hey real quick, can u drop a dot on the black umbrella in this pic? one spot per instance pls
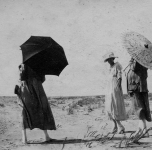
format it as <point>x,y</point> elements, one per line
<point>44,55</point>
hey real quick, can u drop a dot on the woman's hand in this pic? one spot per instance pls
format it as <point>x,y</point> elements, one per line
<point>43,78</point>
<point>119,82</point>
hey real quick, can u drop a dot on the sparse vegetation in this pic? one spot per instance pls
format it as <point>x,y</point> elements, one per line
<point>71,108</point>
<point>75,103</point>
<point>75,111</point>
<point>2,105</point>
<point>85,103</point>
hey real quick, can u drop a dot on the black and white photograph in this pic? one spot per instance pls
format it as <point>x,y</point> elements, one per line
<point>75,74</point>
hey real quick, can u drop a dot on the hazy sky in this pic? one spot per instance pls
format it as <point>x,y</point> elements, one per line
<point>86,29</point>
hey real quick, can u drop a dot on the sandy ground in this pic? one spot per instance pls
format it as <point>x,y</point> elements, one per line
<point>81,130</point>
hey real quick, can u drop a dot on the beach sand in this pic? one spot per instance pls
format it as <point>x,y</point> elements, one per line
<point>84,127</point>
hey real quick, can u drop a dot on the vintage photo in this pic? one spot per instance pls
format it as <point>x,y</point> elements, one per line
<point>76,74</point>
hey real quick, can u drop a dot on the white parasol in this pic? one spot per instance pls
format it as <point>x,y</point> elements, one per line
<point>139,47</point>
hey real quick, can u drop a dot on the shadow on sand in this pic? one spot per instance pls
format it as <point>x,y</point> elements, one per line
<point>74,141</point>
<point>63,141</point>
<point>117,139</point>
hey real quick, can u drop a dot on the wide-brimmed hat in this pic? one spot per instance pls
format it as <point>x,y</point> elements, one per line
<point>109,55</point>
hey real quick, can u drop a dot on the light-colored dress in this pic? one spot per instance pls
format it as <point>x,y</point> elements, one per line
<point>114,101</point>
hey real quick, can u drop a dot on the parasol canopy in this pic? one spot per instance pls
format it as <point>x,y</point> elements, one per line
<point>139,48</point>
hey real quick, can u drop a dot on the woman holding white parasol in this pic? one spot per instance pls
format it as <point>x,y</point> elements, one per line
<point>140,50</point>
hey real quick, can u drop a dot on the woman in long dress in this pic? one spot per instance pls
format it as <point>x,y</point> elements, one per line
<point>114,101</point>
<point>137,88</point>
<point>36,111</point>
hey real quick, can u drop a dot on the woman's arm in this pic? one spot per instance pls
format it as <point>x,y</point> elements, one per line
<point>119,82</point>
<point>23,73</point>
<point>119,74</point>
<point>17,92</point>
<point>19,101</point>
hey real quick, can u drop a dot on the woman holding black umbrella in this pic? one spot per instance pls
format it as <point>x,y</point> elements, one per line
<point>41,56</point>
<point>36,109</point>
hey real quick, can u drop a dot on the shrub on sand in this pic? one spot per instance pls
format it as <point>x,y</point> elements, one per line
<point>70,110</point>
<point>2,105</point>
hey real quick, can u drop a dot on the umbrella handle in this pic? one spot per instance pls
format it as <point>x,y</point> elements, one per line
<point>126,67</point>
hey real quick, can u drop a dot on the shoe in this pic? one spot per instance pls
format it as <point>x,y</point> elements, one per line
<point>114,130</point>
<point>121,130</point>
<point>49,140</point>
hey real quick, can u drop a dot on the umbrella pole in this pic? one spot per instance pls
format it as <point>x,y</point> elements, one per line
<point>126,67</point>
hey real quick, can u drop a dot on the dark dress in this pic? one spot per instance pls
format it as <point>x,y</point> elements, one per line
<point>36,109</point>
<point>137,88</point>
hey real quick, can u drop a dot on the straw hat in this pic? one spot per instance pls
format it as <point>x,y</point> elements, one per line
<point>109,55</point>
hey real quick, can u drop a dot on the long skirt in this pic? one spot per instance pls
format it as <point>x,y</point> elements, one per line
<point>114,102</point>
<point>141,105</point>
<point>36,109</point>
